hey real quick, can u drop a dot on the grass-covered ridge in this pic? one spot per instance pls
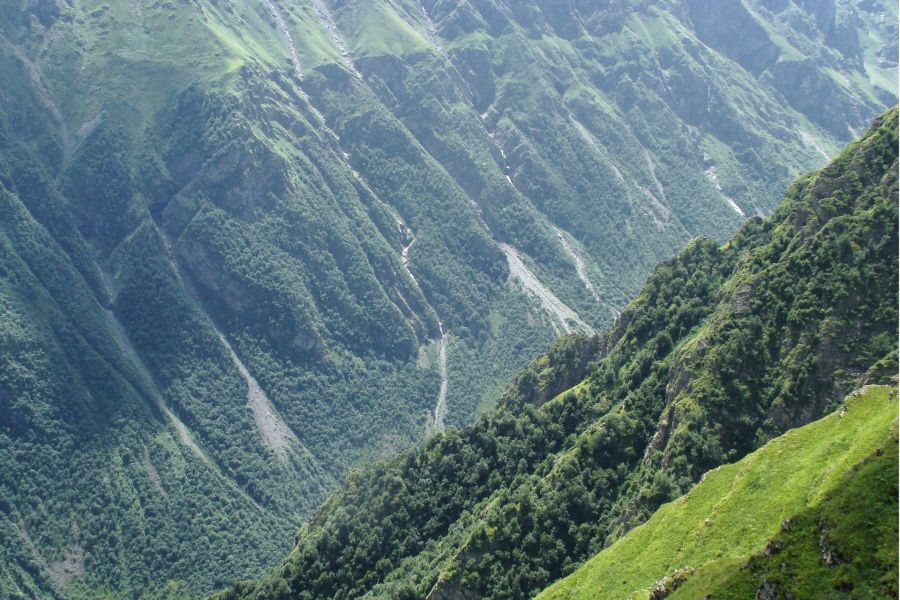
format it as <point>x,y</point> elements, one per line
<point>844,546</point>
<point>737,509</point>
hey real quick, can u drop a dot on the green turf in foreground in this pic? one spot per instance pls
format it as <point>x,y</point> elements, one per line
<point>837,476</point>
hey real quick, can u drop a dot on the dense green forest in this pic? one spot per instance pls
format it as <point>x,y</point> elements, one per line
<point>249,246</point>
<point>726,347</point>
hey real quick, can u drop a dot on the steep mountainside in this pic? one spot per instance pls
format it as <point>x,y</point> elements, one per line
<point>818,506</point>
<point>246,245</point>
<point>725,348</point>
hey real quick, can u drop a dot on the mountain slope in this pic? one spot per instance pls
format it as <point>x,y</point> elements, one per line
<point>839,469</point>
<point>824,548</point>
<point>725,348</point>
<point>249,245</point>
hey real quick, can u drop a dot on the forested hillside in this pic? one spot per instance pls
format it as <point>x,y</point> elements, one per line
<point>725,348</point>
<point>249,245</point>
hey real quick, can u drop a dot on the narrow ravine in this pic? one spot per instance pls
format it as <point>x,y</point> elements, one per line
<point>713,176</point>
<point>326,20</point>
<point>440,408</point>
<point>660,206</point>
<point>273,430</point>
<point>275,433</point>
<point>660,190</point>
<point>587,136</point>
<point>563,319</point>
<point>70,565</point>
<point>37,83</point>
<point>580,267</point>
<point>295,61</point>
<point>581,270</point>
<point>431,29</point>
<point>269,423</point>
<point>286,35</point>
<point>296,64</point>
<point>127,348</point>
<point>183,433</point>
<point>810,141</point>
<point>560,313</point>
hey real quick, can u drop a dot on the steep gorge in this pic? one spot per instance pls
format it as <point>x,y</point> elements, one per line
<point>381,209</point>
<point>726,347</point>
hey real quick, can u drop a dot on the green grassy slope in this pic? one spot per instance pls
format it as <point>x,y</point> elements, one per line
<point>726,348</point>
<point>323,188</point>
<point>736,509</point>
<point>844,546</point>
